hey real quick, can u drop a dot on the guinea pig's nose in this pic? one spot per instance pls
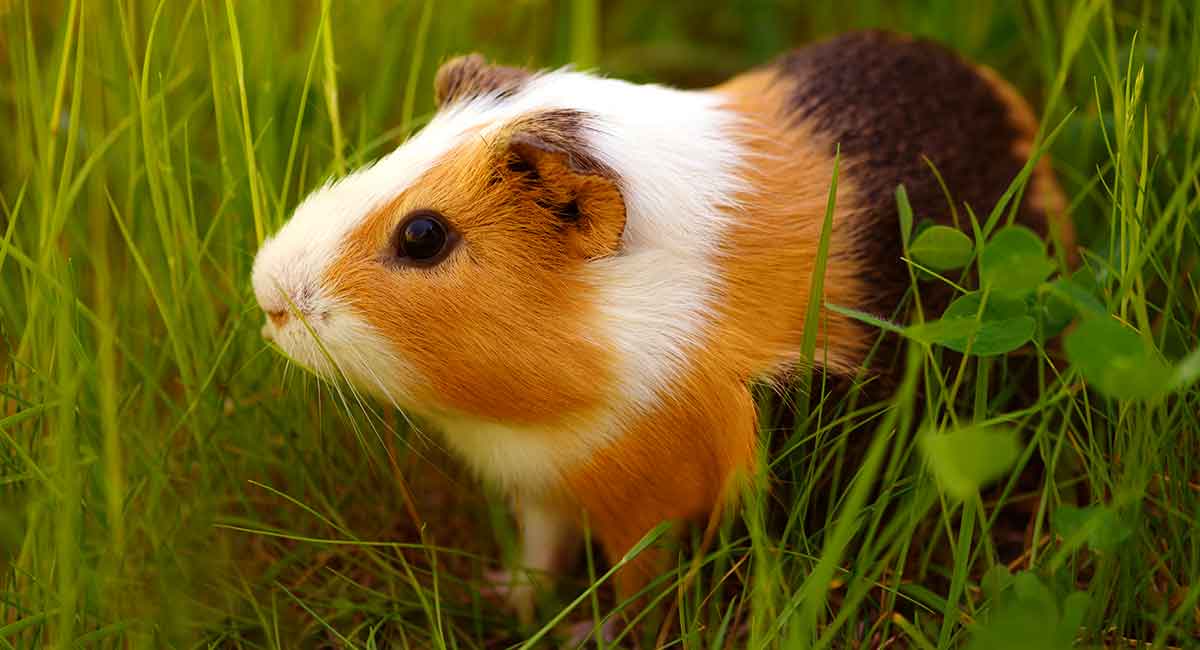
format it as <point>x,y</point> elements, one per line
<point>279,318</point>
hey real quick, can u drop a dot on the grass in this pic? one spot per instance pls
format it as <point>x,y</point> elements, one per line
<point>167,481</point>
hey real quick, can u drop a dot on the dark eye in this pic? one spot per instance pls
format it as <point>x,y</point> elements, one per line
<point>423,238</point>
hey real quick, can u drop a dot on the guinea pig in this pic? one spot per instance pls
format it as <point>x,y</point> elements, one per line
<point>576,279</point>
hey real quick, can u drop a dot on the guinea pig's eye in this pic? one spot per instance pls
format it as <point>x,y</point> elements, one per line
<point>423,238</point>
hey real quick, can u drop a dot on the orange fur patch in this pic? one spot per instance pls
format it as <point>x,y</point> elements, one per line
<point>675,463</point>
<point>481,324</point>
<point>769,257</point>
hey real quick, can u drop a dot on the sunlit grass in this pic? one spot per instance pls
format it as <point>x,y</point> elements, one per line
<point>167,480</point>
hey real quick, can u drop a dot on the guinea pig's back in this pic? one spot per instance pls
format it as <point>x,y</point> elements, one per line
<point>893,103</point>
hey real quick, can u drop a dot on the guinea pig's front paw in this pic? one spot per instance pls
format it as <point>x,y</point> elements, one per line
<point>515,590</point>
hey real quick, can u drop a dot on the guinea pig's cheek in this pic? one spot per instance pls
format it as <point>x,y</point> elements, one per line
<point>364,356</point>
<point>536,372</point>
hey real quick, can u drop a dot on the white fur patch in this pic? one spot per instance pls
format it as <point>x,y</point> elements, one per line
<point>678,167</point>
<point>677,163</point>
<point>524,459</point>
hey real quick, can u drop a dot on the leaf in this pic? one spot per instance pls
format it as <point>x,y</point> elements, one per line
<point>1004,325</point>
<point>1014,626</point>
<point>864,317</point>
<point>965,459</point>
<point>942,248</point>
<point>1018,622</point>
<point>1068,520</point>
<point>1029,616</point>
<point>1014,259</point>
<point>1080,291</point>
<point>1053,315</point>
<point>1031,591</point>
<point>1116,361</point>
<point>1074,610</point>
<point>1114,529</point>
<point>905,212</point>
<point>1060,302</point>
<point>996,580</point>
<point>1101,527</point>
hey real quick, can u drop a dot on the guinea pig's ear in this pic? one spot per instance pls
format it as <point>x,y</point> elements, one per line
<point>551,162</point>
<point>470,76</point>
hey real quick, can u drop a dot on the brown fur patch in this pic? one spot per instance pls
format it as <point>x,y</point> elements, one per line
<point>1043,193</point>
<point>560,131</point>
<point>570,181</point>
<point>469,76</point>
<point>891,102</point>
<point>480,325</point>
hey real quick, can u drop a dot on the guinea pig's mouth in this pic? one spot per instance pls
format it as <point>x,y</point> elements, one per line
<point>336,346</point>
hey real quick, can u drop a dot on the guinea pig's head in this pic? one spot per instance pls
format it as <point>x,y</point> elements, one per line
<point>450,277</point>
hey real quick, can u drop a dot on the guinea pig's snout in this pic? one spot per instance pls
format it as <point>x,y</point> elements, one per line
<point>279,302</point>
<point>283,307</point>
<point>287,291</point>
<point>278,307</point>
<point>278,316</point>
<point>276,319</point>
